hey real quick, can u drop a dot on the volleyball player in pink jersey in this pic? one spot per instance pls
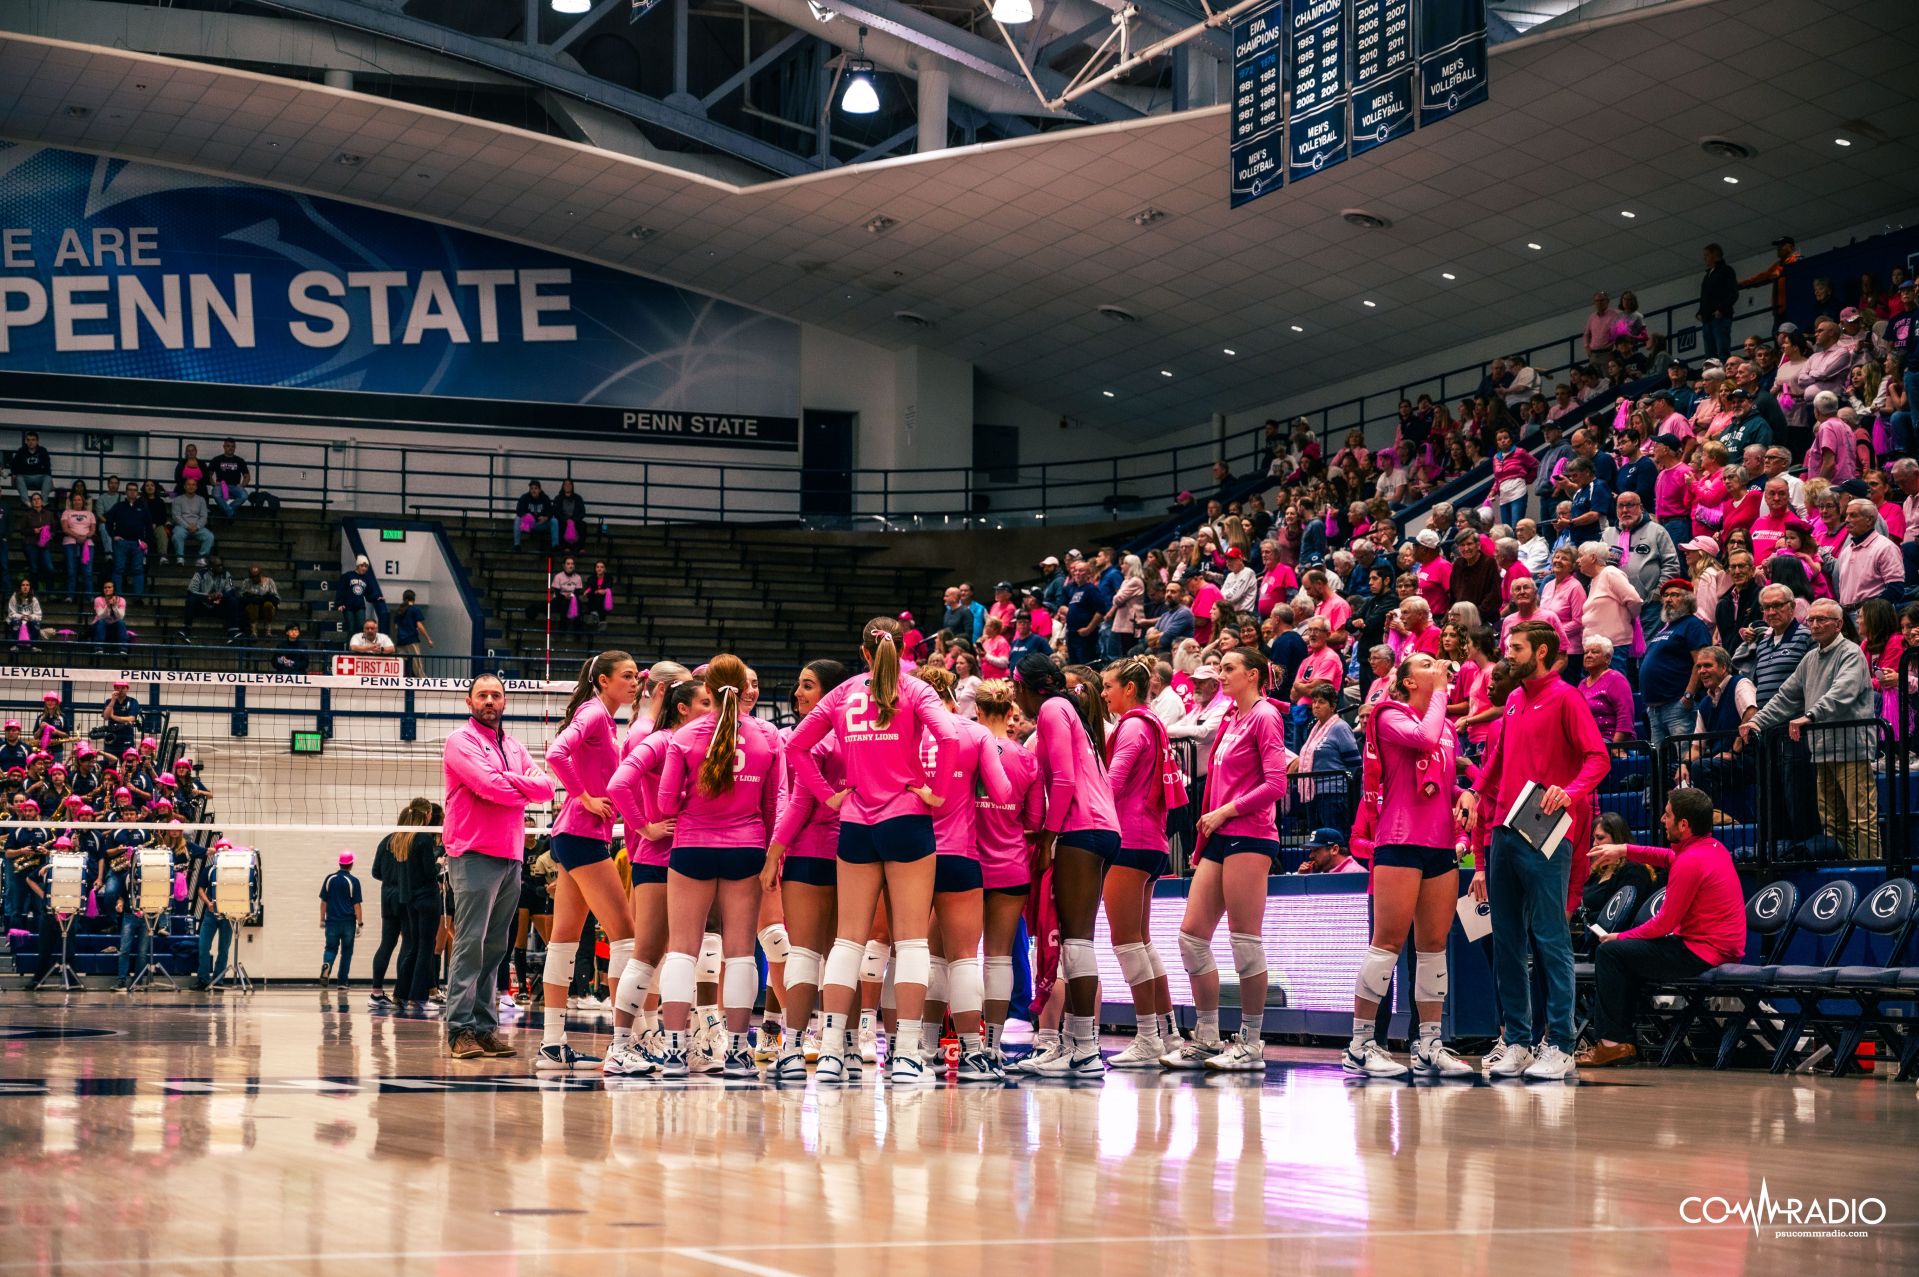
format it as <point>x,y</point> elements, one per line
<point>722,778</point>
<point>886,836</point>
<point>635,791</point>
<point>1005,835</point>
<point>1415,869</point>
<point>1080,837</point>
<point>972,766</point>
<point>772,920</point>
<point>584,756</point>
<point>1140,769</point>
<point>801,864</point>
<point>1238,845</point>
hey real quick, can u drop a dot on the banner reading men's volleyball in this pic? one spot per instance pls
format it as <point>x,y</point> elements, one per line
<point>1452,57</point>
<point>132,285</point>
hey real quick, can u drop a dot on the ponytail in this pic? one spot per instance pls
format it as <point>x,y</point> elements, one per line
<point>1093,715</point>
<point>677,700</point>
<point>881,643</point>
<point>726,678</point>
<point>596,668</point>
<point>940,680</point>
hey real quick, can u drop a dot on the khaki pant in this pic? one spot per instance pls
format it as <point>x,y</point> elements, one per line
<point>1848,796</point>
<point>416,668</point>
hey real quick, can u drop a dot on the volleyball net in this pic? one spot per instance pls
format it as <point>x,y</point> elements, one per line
<point>319,756</point>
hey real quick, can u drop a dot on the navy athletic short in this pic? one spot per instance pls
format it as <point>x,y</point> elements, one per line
<point>573,851</point>
<point>956,873</point>
<point>1217,849</point>
<point>1432,862</point>
<point>1103,843</point>
<point>648,875</point>
<point>1154,864</point>
<point>901,840</point>
<point>726,864</point>
<point>814,871</point>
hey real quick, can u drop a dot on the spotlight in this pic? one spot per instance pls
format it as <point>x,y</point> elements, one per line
<point>572,7</point>
<point>1010,13</point>
<point>862,95</point>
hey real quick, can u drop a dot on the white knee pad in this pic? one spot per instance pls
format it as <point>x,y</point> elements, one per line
<point>802,967</point>
<point>1152,956</point>
<point>872,961</point>
<point>843,964</point>
<point>773,940</point>
<point>936,980</point>
<point>676,978</point>
<point>1076,960</point>
<point>966,986</point>
<point>707,969</point>
<point>1375,974</point>
<point>1196,955</point>
<point>888,998</point>
<point>999,978</point>
<point>1429,977</point>
<point>912,962</point>
<point>739,983</point>
<point>1249,954</point>
<point>1134,965</point>
<point>629,995</point>
<point>559,962</point>
<point>618,954</point>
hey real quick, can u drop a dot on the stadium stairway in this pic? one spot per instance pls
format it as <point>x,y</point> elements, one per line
<point>686,591</point>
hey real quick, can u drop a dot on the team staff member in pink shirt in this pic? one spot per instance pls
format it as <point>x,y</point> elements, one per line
<point>1415,870</point>
<point>635,791</point>
<point>1549,737</point>
<point>584,756</point>
<point>886,837</point>
<point>1144,778</point>
<point>490,782</point>
<point>721,779</point>
<point>1239,842</point>
<point>1080,838</point>
<point>1701,924</point>
<point>1005,831</point>
<point>802,861</point>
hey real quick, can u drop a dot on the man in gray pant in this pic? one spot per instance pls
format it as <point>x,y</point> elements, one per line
<point>490,781</point>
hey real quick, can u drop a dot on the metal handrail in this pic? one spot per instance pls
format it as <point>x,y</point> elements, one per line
<point>371,476</point>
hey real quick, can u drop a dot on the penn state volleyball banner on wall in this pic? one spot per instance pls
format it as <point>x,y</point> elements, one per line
<point>130,286</point>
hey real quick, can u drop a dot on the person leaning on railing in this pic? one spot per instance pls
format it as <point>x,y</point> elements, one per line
<point>1832,685</point>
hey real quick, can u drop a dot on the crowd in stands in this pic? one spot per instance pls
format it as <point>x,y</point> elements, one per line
<point>1723,547</point>
<point>58,774</point>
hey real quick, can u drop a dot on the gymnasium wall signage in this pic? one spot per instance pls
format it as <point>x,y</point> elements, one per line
<point>1335,78</point>
<point>131,285</point>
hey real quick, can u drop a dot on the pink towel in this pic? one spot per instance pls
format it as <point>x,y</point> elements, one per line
<point>571,532</point>
<point>46,536</point>
<point>526,523</point>
<point>572,607</point>
<point>180,884</point>
<point>607,596</point>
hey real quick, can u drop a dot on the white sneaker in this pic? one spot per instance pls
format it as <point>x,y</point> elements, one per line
<point>1068,1061</point>
<point>766,1048</point>
<point>831,1071</point>
<point>575,1003</point>
<point>1508,1059</point>
<point>1141,1053</point>
<point>564,1058</point>
<point>869,1046</point>
<point>625,1060</point>
<point>603,1006</point>
<point>810,1046</point>
<point>507,1004</point>
<point>790,1067</point>
<point>1191,1053</point>
<point>979,1066</point>
<point>1439,1061</point>
<point>1551,1065</point>
<point>1245,1053</point>
<point>1371,1060</point>
<point>907,1070</point>
<point>1029,1064</point>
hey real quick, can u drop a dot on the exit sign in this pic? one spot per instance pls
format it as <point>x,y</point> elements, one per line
<point>308,743</point>
<point>392,534</point>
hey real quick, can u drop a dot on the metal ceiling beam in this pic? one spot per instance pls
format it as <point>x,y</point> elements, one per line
<point>541,66</point>
<point>792,40</point>
<point>585,24</point>
<point>975,52</point>
<point>1172,19</point>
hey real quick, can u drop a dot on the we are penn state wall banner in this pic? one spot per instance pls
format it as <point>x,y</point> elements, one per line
<point>129,288</point>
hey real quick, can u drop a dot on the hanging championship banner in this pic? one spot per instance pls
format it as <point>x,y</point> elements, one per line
<point>1383,90</point>
<point>1316,127</point>
<point>1452,57</point>
<point>1256,143</point>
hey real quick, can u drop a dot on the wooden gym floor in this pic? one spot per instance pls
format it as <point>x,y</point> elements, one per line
<point>290,1132</point>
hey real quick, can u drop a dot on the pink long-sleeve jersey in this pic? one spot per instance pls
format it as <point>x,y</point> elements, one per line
<point>807,826</point>
<point>1001,827</point>
<point>742,816</point>
<point>635,790</point>
<point>584,756</point>
<point>1077,795</point>
<point>971,761</point>
<point>1135,750</point>
<point>1417,767</point>
<point>490,782</point>
<point>882,762</point>
<point>1248,769</point>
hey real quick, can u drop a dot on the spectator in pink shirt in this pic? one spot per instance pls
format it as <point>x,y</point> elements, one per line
<point>1870,563</point>
<point>1832,455</point>
<point>1773,518</point>
<point>1601,327</point>
<point>1612,605</point>
<point>1525,607</point>
<point>1327,604</point>
<point>1607,692</point>
<point>1562,597</point>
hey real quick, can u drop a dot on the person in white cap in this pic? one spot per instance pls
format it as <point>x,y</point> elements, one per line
<point>340,918</point>
<point>355,592</point>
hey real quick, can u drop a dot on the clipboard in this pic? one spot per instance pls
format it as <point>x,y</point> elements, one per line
<point>1475,918</point>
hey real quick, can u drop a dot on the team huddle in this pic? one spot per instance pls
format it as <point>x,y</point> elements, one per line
<point>888,839</point>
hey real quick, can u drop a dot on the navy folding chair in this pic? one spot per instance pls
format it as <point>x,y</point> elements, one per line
<point>1826,913</point>
<point>1769,917</point>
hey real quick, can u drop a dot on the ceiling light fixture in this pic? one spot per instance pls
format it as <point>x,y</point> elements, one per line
<point>1730,180</point>
<point>1229,350</point>
<point>1532,246</point>
<point>1109,394</point>
<point>349,160</point>
<point>1627,213</point>
<point>1166,372</point>
<point>1296,328</point>
<point>862,96</point>
<point>1010,13</point>
<point>1369,304</point>
<point>572,7</point>
<point>1447,275</point>
<point>1842,141</point>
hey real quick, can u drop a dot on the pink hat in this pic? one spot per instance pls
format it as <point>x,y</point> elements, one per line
<point>57,767</point>
<point>169,780</point>
<point>163,804</point>
<point>86,811</point>
<point>220,844</point>
<point>74,800</point>
<point>13,724</point>
<point>51,696</point>
<point>63,843</point>
<point>129,753</point>
<point>120,684</point>
<point>346,857</point>
<point>123,792</point>
<point>83,750</point>
<point>183,763</point>
<point>149,743</point>
<point>26,802</point>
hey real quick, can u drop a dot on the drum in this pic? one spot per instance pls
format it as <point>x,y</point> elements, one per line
<point>233,871</point>
<point>152,880</point>
<point>67,882</point>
